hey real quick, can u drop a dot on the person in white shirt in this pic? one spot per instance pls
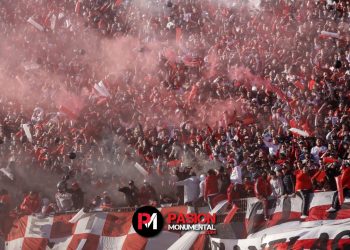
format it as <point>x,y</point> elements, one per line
<point>276,185</point>
<point>236,175</point>
<point>274,147</point>
<point>200,201</point>
<point>191,189</point>
<point>201,186</point>
<point>318,150</point>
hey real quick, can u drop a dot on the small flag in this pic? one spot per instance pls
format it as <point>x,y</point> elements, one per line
<point>35,24</point>
<point>340,190</point>
<point>6,172</point>
<point>27,132</point>
<point>326,34</point>
<point>141,169</point>
<point>299,132</point>
<point>101,89</point>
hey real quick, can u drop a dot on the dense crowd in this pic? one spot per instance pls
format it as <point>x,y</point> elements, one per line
<point>211,99</point>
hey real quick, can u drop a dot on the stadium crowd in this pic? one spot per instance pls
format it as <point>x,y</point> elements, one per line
<point>243,102</point>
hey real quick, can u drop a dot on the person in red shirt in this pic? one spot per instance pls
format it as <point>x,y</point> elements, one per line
<point>262,190</point>
<point>31,203</point>
<point>234,192</point>
<point>303,188</point>
<point>4,210</point>
<point>345,181</point>
<point>4,199</point>
<point>211,185</point>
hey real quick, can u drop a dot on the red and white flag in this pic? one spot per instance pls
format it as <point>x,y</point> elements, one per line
<point>27,132</point>
<point>340,190</point>
<point>325,34</point>
<point>141,169</point>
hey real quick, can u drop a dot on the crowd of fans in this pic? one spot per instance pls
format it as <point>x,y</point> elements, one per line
<point>243,102</point>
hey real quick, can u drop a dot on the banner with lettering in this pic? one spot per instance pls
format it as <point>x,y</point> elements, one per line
<point>288,208</point>
<point>294,235</point>
<point>98,230</point>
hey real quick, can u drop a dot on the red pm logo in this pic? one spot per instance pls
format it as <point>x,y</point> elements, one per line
<point>146,219</point>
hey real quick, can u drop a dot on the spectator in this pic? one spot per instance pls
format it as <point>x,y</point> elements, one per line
<point>248,187</point>
<point>318,150</point>
<point>5,200</point>
<point>96,202</point>
<point>191,189</point>
<point>236,175</point>
<point>276,185</point>
<point>147,194</point>
<point>288,181</point>
<point>4,210</point>
<point>77,196</point>
<point>47,207</point>
<point>332,171</point>
<point>106,203</point>
<point>63,198</point>
<point>224,178</point>
<point>30,204</point>
<point>345,181</point>
<point>131,194</point>
<point>211,185</point>
<point>303,188</point>
<point>262,189</point>
<point>200,201</point>
<point>234,192</point>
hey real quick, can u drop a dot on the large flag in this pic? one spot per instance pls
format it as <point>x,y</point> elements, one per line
<point>27,132</point>
<point>92,231</point>
<point>289,209</point>
<point>293,235</point>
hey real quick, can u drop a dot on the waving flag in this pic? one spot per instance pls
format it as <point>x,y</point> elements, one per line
<point>101,89</point>
<point>93,231</point>
<point>27,132</point>
<point>327,34</point>
<point>299,132</point>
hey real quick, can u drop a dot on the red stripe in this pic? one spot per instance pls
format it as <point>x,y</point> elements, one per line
<point>231,214</point>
